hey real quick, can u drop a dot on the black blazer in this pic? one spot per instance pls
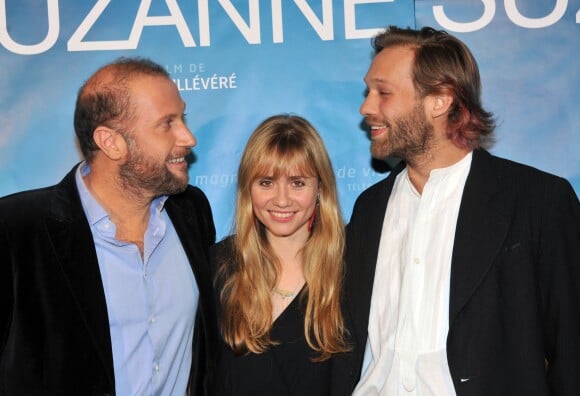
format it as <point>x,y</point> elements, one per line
<point>515,280</point>
<point>54,329</point>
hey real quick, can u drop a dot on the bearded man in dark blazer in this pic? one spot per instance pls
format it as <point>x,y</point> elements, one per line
<point>463,268</point>
<point>104,281</point>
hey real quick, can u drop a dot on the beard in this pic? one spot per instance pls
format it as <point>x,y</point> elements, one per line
<point>142,173</point>
<point>407,137</point>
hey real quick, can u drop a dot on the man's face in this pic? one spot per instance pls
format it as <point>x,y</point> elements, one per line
<point>157,137</point>
<point>399,125</point>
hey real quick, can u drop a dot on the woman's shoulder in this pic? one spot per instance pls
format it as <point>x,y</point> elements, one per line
<point>223,248</point>
<point>222,259</point>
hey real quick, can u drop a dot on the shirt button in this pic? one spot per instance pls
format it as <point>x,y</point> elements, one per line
<point>409,382</point>
<point>153,319</point>
<point>156,367</point>
<point>417,260</point>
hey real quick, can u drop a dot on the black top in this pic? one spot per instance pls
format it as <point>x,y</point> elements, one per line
<point>282,370</point>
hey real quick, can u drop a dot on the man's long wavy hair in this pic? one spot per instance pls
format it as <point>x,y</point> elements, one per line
<point>280,144</point>
<point>445,64</point>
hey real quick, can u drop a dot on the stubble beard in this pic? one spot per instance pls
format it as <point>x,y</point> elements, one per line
<point>408,137</point>
<point>142,174</point>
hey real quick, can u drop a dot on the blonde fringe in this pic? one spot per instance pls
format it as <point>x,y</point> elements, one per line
<point>248,276</point>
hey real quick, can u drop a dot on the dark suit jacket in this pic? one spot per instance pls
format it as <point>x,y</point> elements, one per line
<point>54,329</point>
<point>515,280</point>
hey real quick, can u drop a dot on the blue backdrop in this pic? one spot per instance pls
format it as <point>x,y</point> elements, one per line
<point>237,62</point>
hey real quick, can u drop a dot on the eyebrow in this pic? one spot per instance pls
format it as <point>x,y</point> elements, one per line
<point>175,115</point>
<point>376,80</point>
<point>290,177</point>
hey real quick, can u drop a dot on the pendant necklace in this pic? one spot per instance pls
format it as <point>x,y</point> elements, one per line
<point>284,294</point>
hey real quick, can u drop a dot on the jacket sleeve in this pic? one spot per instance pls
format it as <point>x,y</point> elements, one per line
<point>6,289</point>
<point>559,263</point>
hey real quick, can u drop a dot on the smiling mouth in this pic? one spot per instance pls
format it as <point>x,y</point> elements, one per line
<point>377,130</point>
<point>282,215</point>
<point>176,160</point>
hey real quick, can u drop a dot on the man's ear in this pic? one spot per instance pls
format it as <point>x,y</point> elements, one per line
<point>441,104</point>
<point>111,143</point>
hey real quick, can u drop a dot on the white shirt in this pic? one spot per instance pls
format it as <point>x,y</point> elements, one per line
<point>409,315</point>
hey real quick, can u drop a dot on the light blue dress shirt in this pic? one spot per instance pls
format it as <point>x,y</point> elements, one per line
<point>151,301</point>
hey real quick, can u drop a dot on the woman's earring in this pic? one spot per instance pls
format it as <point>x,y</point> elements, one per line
<point>311,221</point>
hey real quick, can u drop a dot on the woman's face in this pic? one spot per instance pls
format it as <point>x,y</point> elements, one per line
<point>285,204</point>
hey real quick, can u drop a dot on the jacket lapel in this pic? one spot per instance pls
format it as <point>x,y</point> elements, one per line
<point>195,241</point>
<point>481,229</point>
<point>73,244</point>
<point>194,226</point>
<point>363,252</point>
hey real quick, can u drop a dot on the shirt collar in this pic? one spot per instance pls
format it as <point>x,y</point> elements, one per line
<point>93,210</point>
<point>458,167</point>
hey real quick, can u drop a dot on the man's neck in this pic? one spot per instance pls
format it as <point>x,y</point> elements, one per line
<point>127,210</point>
<point>420,168</point>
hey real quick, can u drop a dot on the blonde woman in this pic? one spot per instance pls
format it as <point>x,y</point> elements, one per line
<point>279,276</point>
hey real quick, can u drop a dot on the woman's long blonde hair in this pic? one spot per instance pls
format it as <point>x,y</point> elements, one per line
<point>281,143</point>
